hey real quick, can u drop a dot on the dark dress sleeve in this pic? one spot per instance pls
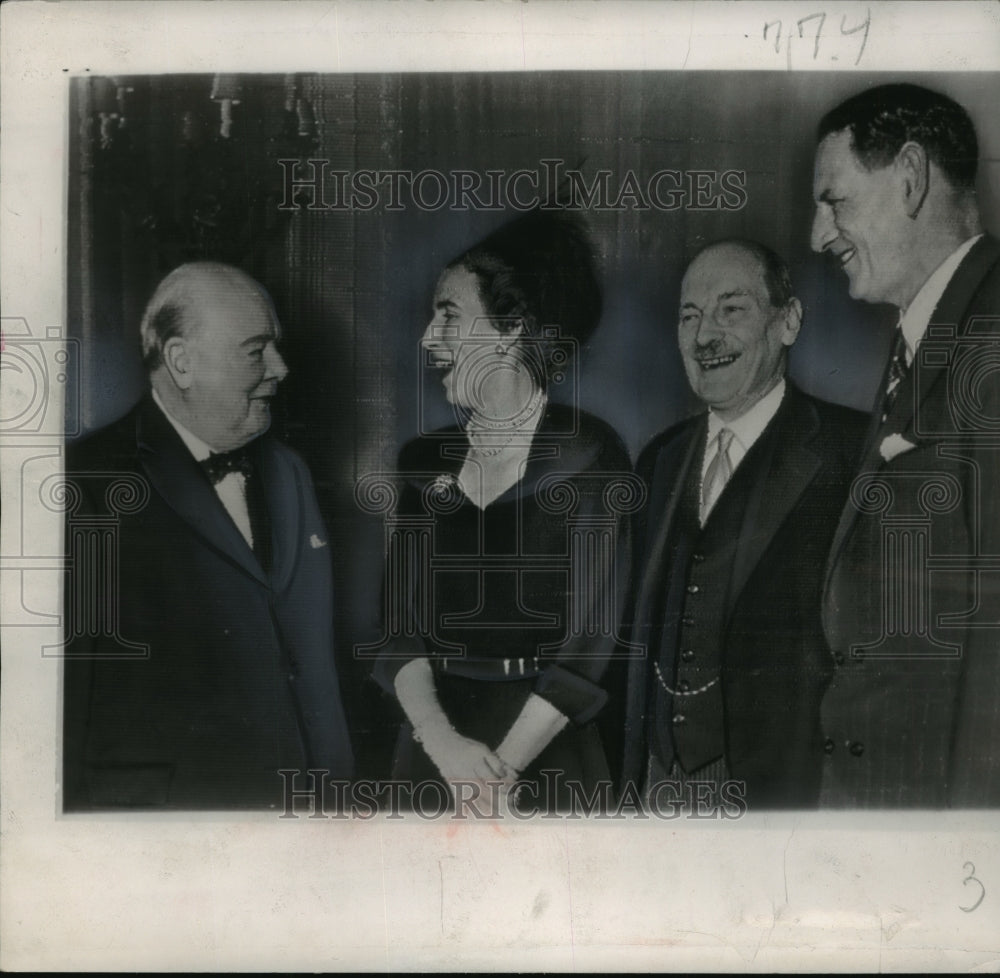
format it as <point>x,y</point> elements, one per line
<point>608,494</point>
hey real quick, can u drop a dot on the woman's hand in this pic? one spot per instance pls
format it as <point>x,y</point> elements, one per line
<point>460,758</point>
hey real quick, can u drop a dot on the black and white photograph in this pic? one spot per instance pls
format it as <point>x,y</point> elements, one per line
<point>501,486</point>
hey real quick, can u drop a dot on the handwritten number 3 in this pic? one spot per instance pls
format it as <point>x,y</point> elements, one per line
<point>971,878</point>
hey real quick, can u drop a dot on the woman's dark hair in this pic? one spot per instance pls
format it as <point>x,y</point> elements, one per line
<point>539,271</point>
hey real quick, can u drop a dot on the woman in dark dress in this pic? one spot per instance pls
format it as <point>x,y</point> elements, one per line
<point>512,610</point>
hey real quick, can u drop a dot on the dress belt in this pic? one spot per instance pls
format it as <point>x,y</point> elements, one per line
<point>497,669</point>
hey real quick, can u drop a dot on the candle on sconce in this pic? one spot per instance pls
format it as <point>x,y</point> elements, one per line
<point>227,91</point>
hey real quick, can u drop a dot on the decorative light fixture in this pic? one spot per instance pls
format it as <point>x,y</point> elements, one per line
<point>227,91</point>
<point>295,101</point>
<point>108,94</point>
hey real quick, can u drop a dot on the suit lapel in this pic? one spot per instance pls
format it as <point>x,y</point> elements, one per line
<point>281,493</point>
<point>178,479</point>
<point>784,467</point>
<point>914,391</point>
<point>670,473</point>
<point>669,470</point>
<point>947,322</point>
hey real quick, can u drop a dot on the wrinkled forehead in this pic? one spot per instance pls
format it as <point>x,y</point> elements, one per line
<point>727,269</point>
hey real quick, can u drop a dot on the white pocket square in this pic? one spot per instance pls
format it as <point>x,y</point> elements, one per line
<point>893,445</point>
<point>316,543</point>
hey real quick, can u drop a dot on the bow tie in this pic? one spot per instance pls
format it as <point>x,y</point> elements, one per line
<point>219,464</point>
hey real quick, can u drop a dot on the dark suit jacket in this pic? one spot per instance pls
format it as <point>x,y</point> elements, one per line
<point>237,679</point>
<point>775,662</point>
<point>913,711</point>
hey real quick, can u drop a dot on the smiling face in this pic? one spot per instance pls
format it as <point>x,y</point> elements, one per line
<point>233,366</point>
<point>732,339</point>
<point>481,370</point>
<point>862,224</point>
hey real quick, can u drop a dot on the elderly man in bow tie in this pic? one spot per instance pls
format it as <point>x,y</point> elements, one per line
<point>223,576</point>
<point>912,594</point>
<point>743,500</point>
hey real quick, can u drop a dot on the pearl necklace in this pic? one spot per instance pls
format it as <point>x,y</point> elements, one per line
<point>491,452</point>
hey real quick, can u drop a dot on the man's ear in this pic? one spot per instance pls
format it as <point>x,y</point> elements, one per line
<point>793,322</point>
<point>177,360</point>
<point>914,170</point>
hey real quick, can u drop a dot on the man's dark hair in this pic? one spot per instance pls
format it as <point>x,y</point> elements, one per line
<point>539,270</point>
<point>776,275</point>
<point>882,119</point>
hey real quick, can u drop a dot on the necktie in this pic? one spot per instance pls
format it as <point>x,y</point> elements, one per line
<point>220,464</point>
<point>898,369</point>
<point>717,474</point>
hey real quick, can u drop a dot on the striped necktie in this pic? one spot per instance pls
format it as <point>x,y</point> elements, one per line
<point>898,369</point>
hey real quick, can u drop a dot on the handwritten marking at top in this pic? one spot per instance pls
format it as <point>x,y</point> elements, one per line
<point>798,28</point>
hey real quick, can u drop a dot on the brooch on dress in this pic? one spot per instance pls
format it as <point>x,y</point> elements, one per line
<point>444,485</point>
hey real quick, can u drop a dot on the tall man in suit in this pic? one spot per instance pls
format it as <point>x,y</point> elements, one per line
<point>743,501</point>
<point>912,597</point>
<point>219,671</point>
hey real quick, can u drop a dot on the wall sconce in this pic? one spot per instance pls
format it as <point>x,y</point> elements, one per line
<point>227,91</point>
<point>305,116</point>
<point>108,96</point>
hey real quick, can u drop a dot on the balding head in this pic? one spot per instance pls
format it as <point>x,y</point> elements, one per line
<point>174,307</point>
<point>208,342</point>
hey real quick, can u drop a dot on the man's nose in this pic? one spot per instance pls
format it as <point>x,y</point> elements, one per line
<point>709,328</point>
<point>276,368</point>
<point>824,230</point>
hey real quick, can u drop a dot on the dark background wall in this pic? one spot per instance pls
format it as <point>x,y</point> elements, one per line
<point>161,186</point>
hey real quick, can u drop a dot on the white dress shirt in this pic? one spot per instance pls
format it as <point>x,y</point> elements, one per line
<point>746,429</point>
<point>231,489</point>
<point>915,319</point>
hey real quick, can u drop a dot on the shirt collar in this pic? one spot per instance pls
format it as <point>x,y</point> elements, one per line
<point>748,427</point>
<point>199,449</point>
<point>914,320</point>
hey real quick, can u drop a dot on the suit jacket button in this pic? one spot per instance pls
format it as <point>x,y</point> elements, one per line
<point>838,657</point>
<point>857,748</point>
<point>692,589</point>
<point>679,719</point>
<point>683,686</point>
<point>828,746</point>
<point>687,655</point>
